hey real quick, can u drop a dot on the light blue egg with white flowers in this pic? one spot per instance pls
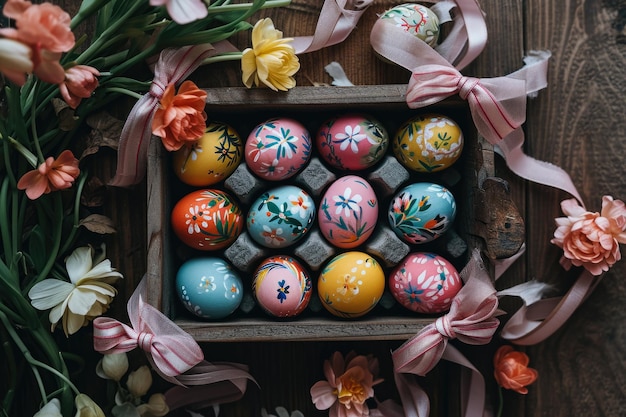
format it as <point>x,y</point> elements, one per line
<point>280,217</point>
<point>421,212</point>
<point>209,287</point>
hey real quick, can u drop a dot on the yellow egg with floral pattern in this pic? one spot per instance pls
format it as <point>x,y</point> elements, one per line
<point>428,143</point>
<point>351,284</point>
<point>210,159</point>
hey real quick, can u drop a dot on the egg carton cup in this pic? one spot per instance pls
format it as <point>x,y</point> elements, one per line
<point>243,109</point>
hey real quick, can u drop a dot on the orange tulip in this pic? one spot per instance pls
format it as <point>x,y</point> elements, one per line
<point>512,371</point>
<point>180,117</point>
<point>46,29</point>
<point>51,175</point>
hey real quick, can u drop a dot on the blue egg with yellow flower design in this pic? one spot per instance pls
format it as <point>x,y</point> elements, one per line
<point>421,212</point>
<point>281,216</point>
<point>209,287</point>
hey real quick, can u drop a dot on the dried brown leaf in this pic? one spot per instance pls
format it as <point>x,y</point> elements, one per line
<point>94,193</point>
<point>67,119</point>
<point>105,131</point>
<point>98,223</point>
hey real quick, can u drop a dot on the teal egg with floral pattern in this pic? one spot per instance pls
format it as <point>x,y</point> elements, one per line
<point>281,216</point>
<point>209,287</point>
<point>421,212</point>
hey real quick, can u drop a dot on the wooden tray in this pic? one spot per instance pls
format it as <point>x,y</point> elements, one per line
<point>243,109</point>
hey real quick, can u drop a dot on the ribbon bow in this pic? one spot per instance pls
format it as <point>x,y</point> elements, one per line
<point>169,348</point>
<point>174,65</point>
<point>470,320</point>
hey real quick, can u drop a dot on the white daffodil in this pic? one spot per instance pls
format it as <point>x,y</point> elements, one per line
<point>85,297</point>
<point>51,409</point>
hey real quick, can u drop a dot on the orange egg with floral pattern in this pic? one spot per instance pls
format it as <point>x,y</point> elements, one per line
<point>351,284</point>
<point>207,220</point>
<point>210,159</point>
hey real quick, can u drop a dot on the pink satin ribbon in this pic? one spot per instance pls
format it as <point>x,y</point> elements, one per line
<point>336,21</point>
<point>471,320</point>
<point>170,349</point>
<point>462,45</point>
<point>174,66</point>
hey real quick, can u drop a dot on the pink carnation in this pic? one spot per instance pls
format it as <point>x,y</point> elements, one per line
<point>349,384</point>
<point>591,240</point>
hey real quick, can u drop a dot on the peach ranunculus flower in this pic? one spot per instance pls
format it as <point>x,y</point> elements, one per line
<point>272,60</point>
<point>591,240</point>
<point>349,384</point>
<point>15,60</point>
<point>180,117</point>
<point>51,175</point>
<point>46,29</point>
<point>511,369</point>
<point>80,82</point>
<point>183,11</point>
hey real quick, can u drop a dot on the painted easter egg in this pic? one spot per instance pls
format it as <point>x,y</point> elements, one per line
<point>425,282</point>
<point>415,19</point>
<point>281,216</point>
<point>428,143</point>
<point>209,287</point>
<point>278,149</point>
<point>281,286</point>
<point>351,284</point>
<point>352,142</point>
<point>348,212</point>
<point>421,212</point>
<point>207,219</point>
<point>210,159</point>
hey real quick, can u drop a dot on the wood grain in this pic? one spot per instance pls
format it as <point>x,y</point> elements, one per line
<point>577,122</point>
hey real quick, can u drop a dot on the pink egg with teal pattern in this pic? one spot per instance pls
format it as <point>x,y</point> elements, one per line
<point>278,149</point>
<point>352,142</point>
<point>348,212</point>
<point>281,286</point>
<point>281,216</point>
<point>421,212</point>
<point>425,282</point>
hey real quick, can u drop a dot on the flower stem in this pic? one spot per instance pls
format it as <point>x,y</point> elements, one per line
<point>28,155</point>
<point>243,6</point>
<point>227,56</point>
<point>500,402</point>
<point>123,91</point>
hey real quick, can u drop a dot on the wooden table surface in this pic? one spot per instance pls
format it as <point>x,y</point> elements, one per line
<point>576,123</point>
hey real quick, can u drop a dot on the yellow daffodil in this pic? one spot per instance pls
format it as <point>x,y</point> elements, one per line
<point>51,409</point>
<point>86,296</point>
<point>86,407</point>
<point>272,60</point>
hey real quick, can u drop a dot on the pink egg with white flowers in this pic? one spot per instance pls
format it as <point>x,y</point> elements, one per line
<point>348,212</point>
<point>425,282</point>
<point>352,142</point>
<point>278,149</point>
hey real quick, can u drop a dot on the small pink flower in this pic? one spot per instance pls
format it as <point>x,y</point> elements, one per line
<point>591,240</point>
<point>80,82</point>
<point>183,11</point>
<point>349,384</point>
<point>52,175</point>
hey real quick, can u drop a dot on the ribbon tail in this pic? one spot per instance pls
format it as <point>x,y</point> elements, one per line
<point>473,391</point>
<point>540,172</point>
<point>415,402</point>
<point>334,25</point>
<point>472,17</point>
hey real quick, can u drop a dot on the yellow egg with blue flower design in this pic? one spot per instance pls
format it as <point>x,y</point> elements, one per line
<point>210,159</point>
<point>428,143</point>
<point>351,284</point>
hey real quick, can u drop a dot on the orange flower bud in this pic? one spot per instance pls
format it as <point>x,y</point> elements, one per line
<point>512,371</point>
